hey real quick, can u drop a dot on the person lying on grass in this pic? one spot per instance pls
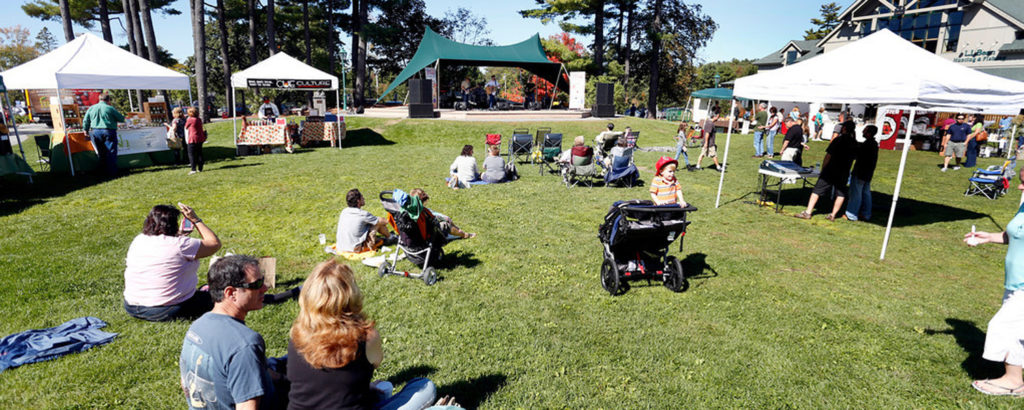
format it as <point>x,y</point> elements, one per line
<point>1004,341</point>
<point>357,228</point>
<point>160,273</point>
<point>665,188</point>
<point>447,226</point>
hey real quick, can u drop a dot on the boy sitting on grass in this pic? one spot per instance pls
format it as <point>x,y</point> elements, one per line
<point>665,189</point>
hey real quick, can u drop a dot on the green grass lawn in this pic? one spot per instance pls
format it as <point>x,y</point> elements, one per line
<point>781,313</point>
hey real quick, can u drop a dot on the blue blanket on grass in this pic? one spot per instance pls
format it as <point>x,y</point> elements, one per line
<point>33,346</point>
<point>475,182</point>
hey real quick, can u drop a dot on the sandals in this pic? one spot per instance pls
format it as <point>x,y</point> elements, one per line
<point>803,215</point>
<point>992,389</point>
<point>830,218</point>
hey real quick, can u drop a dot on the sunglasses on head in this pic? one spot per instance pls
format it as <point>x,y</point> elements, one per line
<point>257,284</point>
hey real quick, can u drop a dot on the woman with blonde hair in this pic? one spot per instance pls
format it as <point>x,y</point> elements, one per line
<point>177,124</point>
<point>334,350</point>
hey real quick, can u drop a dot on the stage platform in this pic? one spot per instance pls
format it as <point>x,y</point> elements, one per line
<point>484,115</point>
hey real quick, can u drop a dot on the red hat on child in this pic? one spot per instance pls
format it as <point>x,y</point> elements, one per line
<point>663,162</point>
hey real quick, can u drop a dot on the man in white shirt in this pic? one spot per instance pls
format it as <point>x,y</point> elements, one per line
<point>268,110</point>
<point>356,227</point>
<point>492,96</point>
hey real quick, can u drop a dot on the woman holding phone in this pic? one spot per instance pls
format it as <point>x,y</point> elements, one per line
<point>160,274</point>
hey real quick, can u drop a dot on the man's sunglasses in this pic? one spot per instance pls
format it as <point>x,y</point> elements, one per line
<point>257,284</point>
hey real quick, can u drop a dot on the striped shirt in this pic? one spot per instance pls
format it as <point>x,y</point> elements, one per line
<point>665,192</point>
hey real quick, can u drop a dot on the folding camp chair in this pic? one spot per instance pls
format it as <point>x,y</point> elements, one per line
<point>520,130</point>
<point>991,182</point>
<point>581,170</point>
<point>538,136</point>
<point>550,149</point>
<point>43,149</point>
<point>520,146</point>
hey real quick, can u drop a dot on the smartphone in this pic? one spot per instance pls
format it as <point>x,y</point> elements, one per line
<point>186,227</point>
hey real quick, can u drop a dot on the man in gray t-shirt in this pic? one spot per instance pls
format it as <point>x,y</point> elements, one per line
<point>356,226</point>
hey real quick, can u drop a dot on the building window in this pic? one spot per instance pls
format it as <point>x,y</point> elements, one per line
<point>954,21</point>
<point>923,4</point>
<point>791,56</point>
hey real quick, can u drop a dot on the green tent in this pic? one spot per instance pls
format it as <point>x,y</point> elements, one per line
<point>528,55</point>
<point>714,94</point>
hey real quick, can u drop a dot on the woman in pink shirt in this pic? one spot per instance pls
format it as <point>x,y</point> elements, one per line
<point>195,135</point>
<point>160,274</point>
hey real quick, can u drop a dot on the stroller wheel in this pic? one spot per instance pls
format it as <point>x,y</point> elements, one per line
<point>382,269</point>
<point>675,278</point>
<point>610,277</point>
<point>429,276</point>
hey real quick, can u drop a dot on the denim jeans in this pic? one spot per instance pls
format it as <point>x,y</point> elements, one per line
<point>192,308</point>
<point>418,393</point>
<point>681,149</point>
<point>105,141</point>
<point>491,100</point>
<point>770,147</point>
<point>759,143</point>
<point>859,200</point>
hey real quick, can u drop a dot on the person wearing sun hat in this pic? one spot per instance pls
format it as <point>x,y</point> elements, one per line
<point>665,188</point>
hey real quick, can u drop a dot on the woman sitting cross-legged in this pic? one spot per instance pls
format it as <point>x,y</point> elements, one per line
<point>494,167</point>
<point>160,276</point>
<point>334,350</point>
<point>463,169</point>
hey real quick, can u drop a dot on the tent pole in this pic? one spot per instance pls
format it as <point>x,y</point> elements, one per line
<point>14,125</point>
<point>234,119</point>
<point>555,90</point>
<point>899,182</point>
<point>725,160</point>
<point>1009,144</point>
<point>190,102</point>
<point>337,117</point>
<point>131,105</point>
<point>437,84</point>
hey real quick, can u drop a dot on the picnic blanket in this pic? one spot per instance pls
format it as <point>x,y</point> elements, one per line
<point>33,346</point>
<point>475,182</point>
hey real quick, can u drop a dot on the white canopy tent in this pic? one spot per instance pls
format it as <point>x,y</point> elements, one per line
<point>283,72</point>
<point>91,62</point>
<point>908,75</point>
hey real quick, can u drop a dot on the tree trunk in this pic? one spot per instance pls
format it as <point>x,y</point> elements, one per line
<point>65,19</point>
<point>655,59</point>
<point>140,42</point>
<point>251,4</point>
<point>618,43</point>
<point>628,51</point>
<point>225,64</point>
<point>360,62</point>
<point>309,47</point>
<point>330,37</point>
<point>147,25</point>
<point>105,22</point>
<point>199,47</point>
<point>599,36</point>
<point>129,25</point>
<point>271,35</point>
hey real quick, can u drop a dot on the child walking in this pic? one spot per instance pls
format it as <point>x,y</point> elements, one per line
<point>665,189</point>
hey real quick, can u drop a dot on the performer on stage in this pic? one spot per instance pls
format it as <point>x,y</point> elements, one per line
<point>492,92</point>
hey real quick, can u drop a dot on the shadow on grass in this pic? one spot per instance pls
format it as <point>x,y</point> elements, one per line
<point>364,136</point>
<point>909,211</point>
<point>972,340</point>
<point>459,258</point>
<point>471,393</point>
<point>410,373</point>
<point>696,267</point>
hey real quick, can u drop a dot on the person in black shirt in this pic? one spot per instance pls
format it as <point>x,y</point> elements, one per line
<point>835,170</point>
<point>793,145</point>
<point>859,207</point>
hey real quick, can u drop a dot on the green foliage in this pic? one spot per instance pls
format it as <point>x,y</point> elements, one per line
<point>86,12</point>
<point>802,311</point>
<point>727,71</point>
<point>45,41</point>
<point>828,21</point>
<point>15,48</point>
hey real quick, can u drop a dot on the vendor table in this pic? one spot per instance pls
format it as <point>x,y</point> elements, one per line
<point>264,132</point>
<point>321,131</point>
<point>136,147</point>
<point>773,174</point>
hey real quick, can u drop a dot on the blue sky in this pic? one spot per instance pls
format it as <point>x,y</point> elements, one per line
<point>746,28</point>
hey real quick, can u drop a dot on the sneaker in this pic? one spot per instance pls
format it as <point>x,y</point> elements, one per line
<point>691,168</point>
<point>956,168</point>
<point>944,169</point>
<point>719,168</point>
<point>191,172</point>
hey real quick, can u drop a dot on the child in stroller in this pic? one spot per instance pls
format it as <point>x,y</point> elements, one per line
<point>636,236</point>
<point>420,236</point>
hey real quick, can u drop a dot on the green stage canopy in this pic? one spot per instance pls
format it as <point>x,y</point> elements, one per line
<point>528,55</point>
<point>714,94</point>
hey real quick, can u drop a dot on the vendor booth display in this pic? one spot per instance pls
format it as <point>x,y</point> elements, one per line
<point>89,62</point>
<point>911,76</point>
<point>315,129</point>
<point>9,162</point>
<point>282,72</point>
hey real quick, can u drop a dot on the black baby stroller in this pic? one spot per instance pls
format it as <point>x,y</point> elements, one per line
<point>421,240</point>
<point>636,235</point>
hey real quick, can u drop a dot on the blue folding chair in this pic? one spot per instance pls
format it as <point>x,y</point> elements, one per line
<point>991,182</point>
